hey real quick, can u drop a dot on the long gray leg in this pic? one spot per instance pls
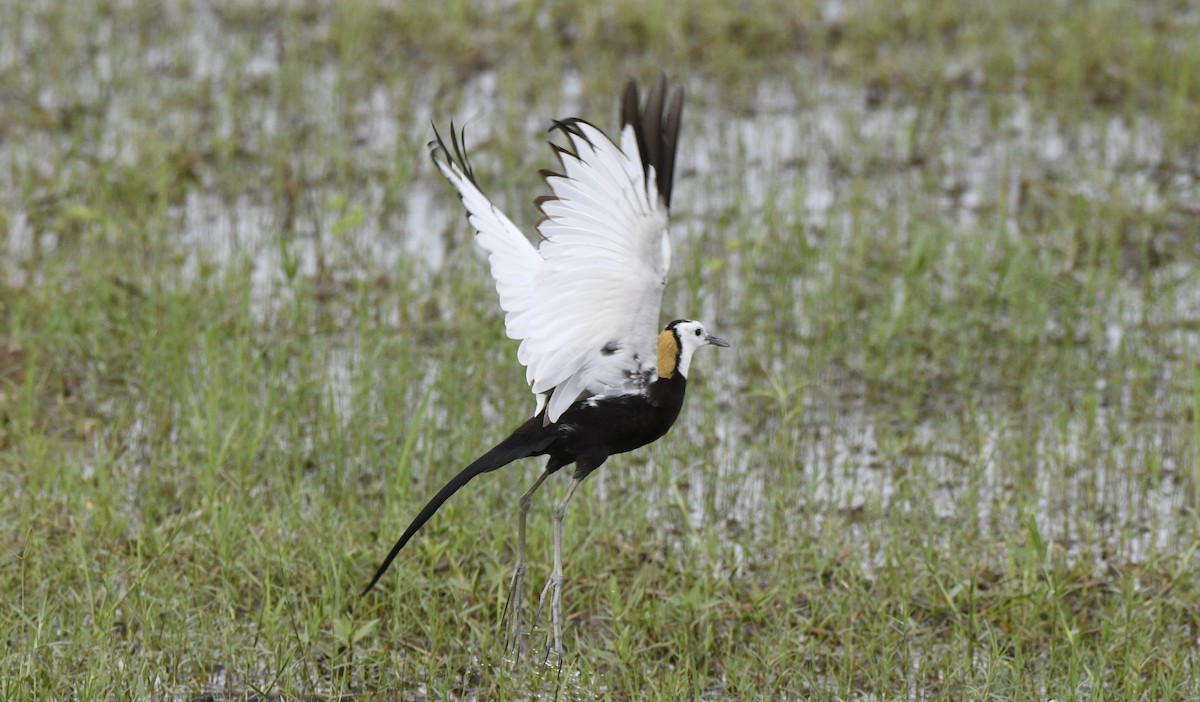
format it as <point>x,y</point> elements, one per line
<point>554,584</point>
<point>516,588</point>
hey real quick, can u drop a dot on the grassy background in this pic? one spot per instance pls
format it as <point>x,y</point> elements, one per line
<point>245,333</point>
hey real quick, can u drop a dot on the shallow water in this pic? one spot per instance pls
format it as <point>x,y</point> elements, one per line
<point>1107,490</point>
<point>812,151</point>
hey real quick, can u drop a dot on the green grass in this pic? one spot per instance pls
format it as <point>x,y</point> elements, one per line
<point>245,333</point>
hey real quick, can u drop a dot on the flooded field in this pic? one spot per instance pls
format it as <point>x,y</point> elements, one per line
<point>952,453</point>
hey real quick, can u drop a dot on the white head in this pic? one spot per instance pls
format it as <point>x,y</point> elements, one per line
<point>676,344</point>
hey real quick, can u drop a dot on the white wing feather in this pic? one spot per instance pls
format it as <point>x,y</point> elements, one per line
<point>513,259</point>
<point>606,253</point>
<point>585,303</point>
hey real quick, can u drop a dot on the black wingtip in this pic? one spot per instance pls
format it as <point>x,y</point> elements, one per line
<point>656,125</point>
<point>455,153</point>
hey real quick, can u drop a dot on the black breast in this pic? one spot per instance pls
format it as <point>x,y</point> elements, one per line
<point>604,426</point>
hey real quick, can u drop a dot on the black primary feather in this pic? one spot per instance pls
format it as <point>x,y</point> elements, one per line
<point>657,130</point>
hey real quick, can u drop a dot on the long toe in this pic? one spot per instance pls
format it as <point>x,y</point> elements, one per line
<point>557,619</point>
<point>513,613</point>
<point>549,593</point>
<point>553,641</point>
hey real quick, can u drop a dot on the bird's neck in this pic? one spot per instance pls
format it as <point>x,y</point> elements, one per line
<point>667,392</point>
<point>668,389</point>
<point>668,354</point>
<point>673,359</point>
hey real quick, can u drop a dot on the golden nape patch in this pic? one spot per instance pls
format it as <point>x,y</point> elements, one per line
<point>668,353</point>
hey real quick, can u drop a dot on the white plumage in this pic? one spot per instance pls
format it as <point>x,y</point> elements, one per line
<point>585,302</point>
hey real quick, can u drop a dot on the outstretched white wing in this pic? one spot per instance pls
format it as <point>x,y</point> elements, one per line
<point>585,303</point>
<point>513,259</point>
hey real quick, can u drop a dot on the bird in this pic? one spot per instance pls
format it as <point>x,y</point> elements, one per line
<point>584,304</point>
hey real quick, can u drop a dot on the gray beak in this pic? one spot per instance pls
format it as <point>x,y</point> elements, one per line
<point>716,341</point>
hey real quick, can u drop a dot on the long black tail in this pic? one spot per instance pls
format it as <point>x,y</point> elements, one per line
<point>530,439</point>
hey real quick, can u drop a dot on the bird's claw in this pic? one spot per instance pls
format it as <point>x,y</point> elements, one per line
<point>553,589</point>
<point>512,613</point>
